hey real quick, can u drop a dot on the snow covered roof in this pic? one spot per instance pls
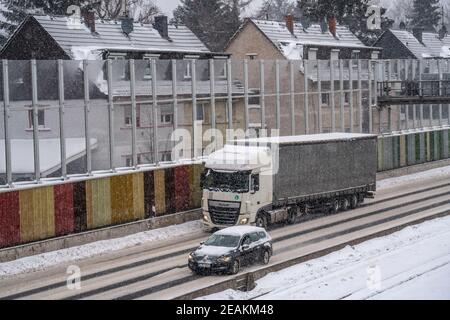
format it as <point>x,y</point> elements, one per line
<point>109,36</point>
<point>232,158</point>
<point>431,46</point>
<point>335,136</point>
<point>282,38</point>
<point>240,230</point>
<point>49,155</point>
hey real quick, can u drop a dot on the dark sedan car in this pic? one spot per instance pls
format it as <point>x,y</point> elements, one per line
<point>229,249</point>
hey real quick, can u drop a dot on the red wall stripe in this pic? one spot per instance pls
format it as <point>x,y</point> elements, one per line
<point>9,219</point>
<point>64,211</point>
<point>182,189</point>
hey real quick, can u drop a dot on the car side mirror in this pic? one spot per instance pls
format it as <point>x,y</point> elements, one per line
<point>202,243</point>
<point>245,247</point>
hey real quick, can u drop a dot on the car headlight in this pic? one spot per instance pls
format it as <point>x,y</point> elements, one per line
<point>224,259</point>
<point>191,257</point>
<point>205,218</point>
<point>244,221</point>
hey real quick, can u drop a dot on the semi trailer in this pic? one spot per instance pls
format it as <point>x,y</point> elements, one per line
<point>262,181</point>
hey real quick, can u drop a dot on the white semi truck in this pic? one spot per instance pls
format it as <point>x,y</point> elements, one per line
<point>261,181</point>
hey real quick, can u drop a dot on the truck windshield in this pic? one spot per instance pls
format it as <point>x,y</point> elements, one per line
<point>226,182</point>
<point>223,240</point>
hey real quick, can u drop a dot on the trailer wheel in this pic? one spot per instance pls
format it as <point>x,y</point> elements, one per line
<point>354,201</point>
<point>360,198</point>
<point>345,204</point>
<point>261,221</point>
<point>335,205</point>
<point>292,216</point>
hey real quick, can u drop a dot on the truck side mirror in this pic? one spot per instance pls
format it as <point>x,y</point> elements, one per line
<point>255,182</point>
<point>202,179</point>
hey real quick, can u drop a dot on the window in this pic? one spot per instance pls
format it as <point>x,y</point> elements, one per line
<point>251,56</point>
<point>148,69</point>
<point>129,160</point>
<point>166,118</point>
<point>325,99</point>
<point>347,97</point>
<point>223,71</point>
<point>200,112</point>
<point>254,99</point>
<point>127,116</point>
<point>148,66</point>
<point>166,156</point>
<point>355,57</point>
<point>126,66</point>
<point>255,182</point>
<point>187,71</point>
<point>254,237</point>
<point>41,119</point>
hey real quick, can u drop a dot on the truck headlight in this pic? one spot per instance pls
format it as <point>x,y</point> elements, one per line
<point>244,221</point>
<point>224,259</point>
<point>205,218</point>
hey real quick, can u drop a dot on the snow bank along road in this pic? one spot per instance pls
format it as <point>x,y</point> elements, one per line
<point>413,263</point>
<point>158,270</point>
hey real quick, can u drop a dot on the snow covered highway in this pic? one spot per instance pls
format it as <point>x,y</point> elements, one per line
<point>157,270</point>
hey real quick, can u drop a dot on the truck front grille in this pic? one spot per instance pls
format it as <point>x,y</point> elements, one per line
<point>224,212</point>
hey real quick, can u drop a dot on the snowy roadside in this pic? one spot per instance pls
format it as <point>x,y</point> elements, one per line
<point>424,175</point>
<point>45,260</point>
<point>413,263</point>
<point>49,259</point>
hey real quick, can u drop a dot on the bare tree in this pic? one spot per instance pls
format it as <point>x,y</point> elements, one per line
<point>275,9</point>
<point>140,10</point>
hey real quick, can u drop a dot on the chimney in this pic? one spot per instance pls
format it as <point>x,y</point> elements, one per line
<point>89,19</point>
<point>332,25</point>
<point>417,33</point>
<point>162,26</point>
<point>290,23</point>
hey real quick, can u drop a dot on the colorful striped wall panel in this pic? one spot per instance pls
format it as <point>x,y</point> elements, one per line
<point>412,148</point>
<point>70,207</point>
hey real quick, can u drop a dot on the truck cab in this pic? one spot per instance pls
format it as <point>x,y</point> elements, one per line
<point>236,183</point>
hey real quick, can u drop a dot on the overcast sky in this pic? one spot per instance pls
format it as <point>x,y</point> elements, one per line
<point>167,6</point>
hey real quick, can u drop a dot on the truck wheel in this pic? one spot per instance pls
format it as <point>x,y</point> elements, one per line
<point>261,221</point>
<point>345,204</point>
<point>335,205</point>
<point>353,201</point>
<point>292,216</point>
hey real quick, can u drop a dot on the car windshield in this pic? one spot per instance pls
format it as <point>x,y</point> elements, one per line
<point>223,240</point>
<point>226,182</point>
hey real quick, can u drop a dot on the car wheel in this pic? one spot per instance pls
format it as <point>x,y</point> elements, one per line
<point>265,257</point>
<point>234,269</point>
<point>261,221</point>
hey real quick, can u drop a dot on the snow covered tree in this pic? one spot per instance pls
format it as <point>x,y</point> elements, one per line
<point>351,13</point>
<point>426,14</point>
<point>275,9</point>
<point>213,21</point>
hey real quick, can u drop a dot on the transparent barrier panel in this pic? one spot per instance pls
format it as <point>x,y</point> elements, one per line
<point>74,117</point>
<point>20,120</point>
<point>3,180</point>
<point>270,85</point>
<point>99,115</point>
